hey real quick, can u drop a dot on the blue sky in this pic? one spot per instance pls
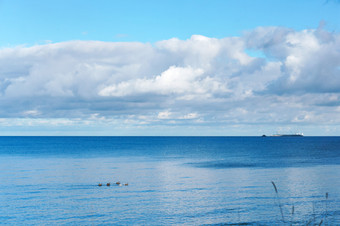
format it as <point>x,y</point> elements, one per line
<point>36,22</point>
<point>169,67</point>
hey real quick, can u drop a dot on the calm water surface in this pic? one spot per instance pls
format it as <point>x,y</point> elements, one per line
<point>172,180</point>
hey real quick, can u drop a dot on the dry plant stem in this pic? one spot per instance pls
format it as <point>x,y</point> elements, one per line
<point>326,211</point>
<point>310,221</point>
<point>277,197</point>
<point>314,212</point>
<point>293,209</point>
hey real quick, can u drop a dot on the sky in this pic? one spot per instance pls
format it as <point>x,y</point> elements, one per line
<point>169,68</point>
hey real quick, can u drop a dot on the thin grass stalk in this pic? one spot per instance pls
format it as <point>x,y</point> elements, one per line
<point>326,211</point>
<point>309,222</point>
<point>313,212</point>
<point>278,199</point>
<point>293,210</point>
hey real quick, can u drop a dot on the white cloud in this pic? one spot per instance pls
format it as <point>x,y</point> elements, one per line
<point>164,115</point>
<point>31,113</point>
<point>206,80</point>
<point>175,80</point>
<point>310,60</point>
<point>190,116</point>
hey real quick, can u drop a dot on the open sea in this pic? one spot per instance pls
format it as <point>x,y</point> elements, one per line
<point>171,180</point>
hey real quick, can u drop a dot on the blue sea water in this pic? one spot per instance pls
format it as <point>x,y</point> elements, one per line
<point>172,180</point>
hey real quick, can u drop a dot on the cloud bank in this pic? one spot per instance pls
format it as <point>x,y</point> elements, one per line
<point>270,75</point>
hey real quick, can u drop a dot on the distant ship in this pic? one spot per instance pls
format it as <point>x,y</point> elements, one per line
<point>286,135</point>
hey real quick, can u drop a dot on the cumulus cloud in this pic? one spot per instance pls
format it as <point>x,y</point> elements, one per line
<point>200,80</point>
<point>175,80</point>
<point>309,59</point>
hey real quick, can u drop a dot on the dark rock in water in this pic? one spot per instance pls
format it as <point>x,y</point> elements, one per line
<point>108,184</point>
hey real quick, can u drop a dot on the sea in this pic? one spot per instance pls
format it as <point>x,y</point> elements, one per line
<point>169,180</point>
